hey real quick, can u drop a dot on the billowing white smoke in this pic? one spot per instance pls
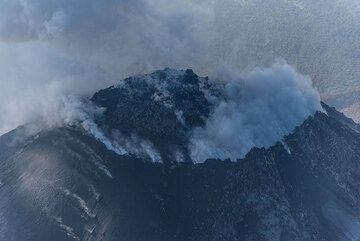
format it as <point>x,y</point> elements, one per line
<point>259,108</point>
<point>33,77</point>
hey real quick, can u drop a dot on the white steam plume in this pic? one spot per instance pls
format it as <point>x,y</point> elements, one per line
<point>259,108</point>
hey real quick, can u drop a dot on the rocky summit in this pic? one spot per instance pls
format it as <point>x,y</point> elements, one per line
<point>161,107</point>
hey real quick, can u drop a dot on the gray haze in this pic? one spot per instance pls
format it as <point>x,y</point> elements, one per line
<point>53,48</point>
<point>320,38</point>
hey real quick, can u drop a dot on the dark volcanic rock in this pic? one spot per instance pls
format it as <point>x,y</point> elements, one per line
<point>64,185</point>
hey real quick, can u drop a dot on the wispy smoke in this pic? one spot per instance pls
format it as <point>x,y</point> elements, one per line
<point>137,146</point>
<point>259,108</point>
<point>60,110</point>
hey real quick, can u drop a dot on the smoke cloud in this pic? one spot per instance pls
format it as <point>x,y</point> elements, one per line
<point>259,108</point>
<point>50,48</point>
<point>55,48</point>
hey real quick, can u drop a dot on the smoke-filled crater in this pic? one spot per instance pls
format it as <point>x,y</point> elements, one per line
<point>176,116</point>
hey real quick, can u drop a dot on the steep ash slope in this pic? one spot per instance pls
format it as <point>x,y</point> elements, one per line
<point>64,185</point>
